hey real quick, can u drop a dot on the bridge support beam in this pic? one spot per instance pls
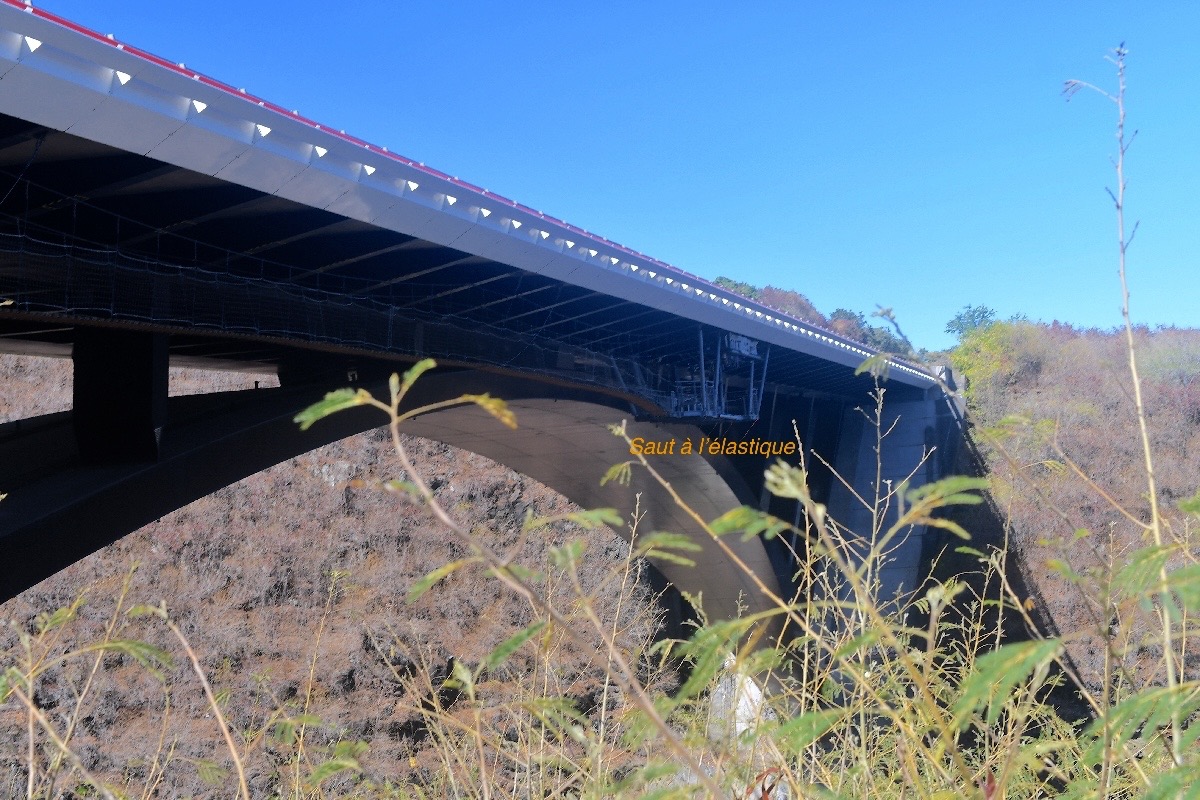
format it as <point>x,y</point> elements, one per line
<point>119,394</point>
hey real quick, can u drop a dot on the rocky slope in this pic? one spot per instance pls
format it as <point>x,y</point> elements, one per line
<point>300,570</point>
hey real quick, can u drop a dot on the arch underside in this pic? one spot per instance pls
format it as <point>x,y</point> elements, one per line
<point>60,510</point>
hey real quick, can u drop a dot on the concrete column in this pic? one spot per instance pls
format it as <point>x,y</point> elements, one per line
<point>120,394</point>
<point>864,461</point>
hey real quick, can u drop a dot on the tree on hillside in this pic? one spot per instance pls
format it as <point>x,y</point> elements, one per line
<point>792,303</point>
<point>854,325</point>
<point>850,324</point>
<point>969,319</point>
<point>741,287</point>
<point>885,341</point>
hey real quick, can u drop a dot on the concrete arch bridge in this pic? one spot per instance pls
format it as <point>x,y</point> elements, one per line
<point>155,216</point>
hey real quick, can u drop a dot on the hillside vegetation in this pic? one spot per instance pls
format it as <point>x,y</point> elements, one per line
<point>1053,416</point>
<point>307,633</point>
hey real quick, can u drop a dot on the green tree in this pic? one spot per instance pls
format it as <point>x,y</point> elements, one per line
<point>848,323</point>
<point>741,287</point>
<point>969,319</point>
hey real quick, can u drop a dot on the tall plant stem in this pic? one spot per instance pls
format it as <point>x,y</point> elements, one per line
<point>1154,527</point>
<point>1123,242</point>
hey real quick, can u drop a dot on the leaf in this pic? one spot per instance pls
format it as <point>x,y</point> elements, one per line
<point>800,732</point>
<point>661,545</point>
<point>334,402</point>
<point>333,766</point>
<point>593,518</point>
<point>857,643</point>
<point>1184,584</point>
<point>1140,576</point>
<point>146,610</point>
<point>426,583</point>
<point>494,406</point>
<point>1140,715</point>
<point>48,622</point>
<point>877,365</point>
<point>284,732</point>
<point>350,748</point>
<point>525,573</point>
<point>1191,505</point>
<point>997,673</point>
<point>510,645</point>
<point>1007,427</point>
<point>750,521</point>
<point>568,555</point>
<point>404,487</point>
<point>785,480</point>
<point>412,373</point>
<point>1063,568</point>
<point>673,558</point>
<point>707,649</point>
<point>210,772</point>
<point>948,525</point>
<point>955,490</point>
<point>462,679</point>
<point>155,659</point>
<point>621,473</point>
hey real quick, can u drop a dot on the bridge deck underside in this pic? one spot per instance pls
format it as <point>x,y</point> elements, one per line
<point>74,202</point>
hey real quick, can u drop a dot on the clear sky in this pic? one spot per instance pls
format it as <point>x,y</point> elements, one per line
<point>913,155</point>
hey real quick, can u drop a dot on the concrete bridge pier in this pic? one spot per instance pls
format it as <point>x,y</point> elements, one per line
<point>906,443</point>
<point>119,403</point>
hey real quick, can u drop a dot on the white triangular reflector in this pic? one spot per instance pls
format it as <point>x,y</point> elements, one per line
<point>546,235</point>
<point>570,245</point>
<point>487,212</point>
<point>516,224</point>
<point>367,168</point>
<point>593,252</point>
<point>33,43</point>
<point>451,200</point>
<point>320,151</point>
<point>123,77</point>
<point>263,130</point>
<point>412,186</point>
<point>199,105</point>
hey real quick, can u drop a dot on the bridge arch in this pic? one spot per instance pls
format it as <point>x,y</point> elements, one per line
<point>66,510</point>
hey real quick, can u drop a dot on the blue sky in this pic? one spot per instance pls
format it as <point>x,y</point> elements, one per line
<point>912,155</point>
